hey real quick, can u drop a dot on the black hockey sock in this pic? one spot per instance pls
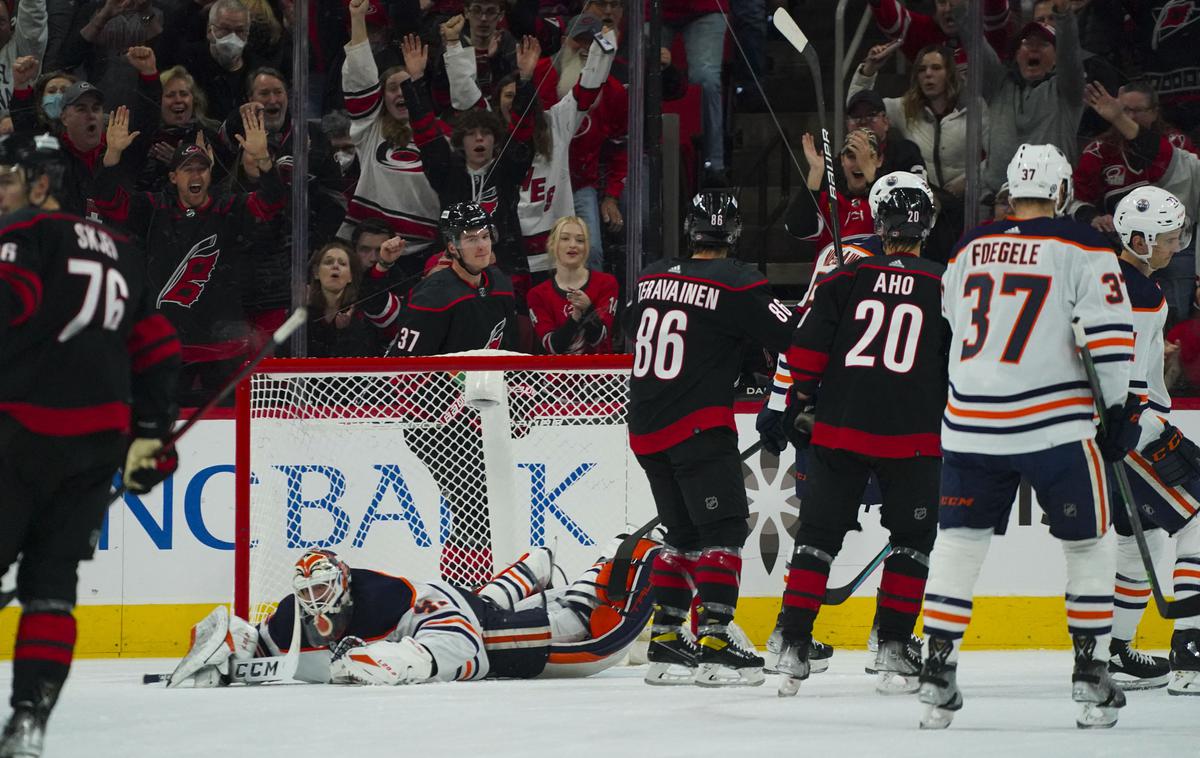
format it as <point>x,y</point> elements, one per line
<point>807,577</point>
<point>900,594</point>
<point>718,575</point>
<point>672,585</point>
<point>42,655</point>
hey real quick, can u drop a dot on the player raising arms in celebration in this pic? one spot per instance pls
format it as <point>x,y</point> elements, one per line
<point>693,318</point>
<point>1164,471</point>
<point>873,333</point>
<point>79,339</point>
<point>1020,405</point>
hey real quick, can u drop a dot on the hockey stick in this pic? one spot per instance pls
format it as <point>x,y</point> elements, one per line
<point>791,32</point>
<point>278,338</point>
<point>1167,609</point>
<point>272,668</point>
<point>623,557</point>
<point>839,595</point>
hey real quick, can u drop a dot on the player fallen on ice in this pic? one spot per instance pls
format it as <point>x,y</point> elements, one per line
<point>873,333</point>
<point>360,626</point>
<point>1164,468</point>
<point>1020,406</point>
<point>694,317</point>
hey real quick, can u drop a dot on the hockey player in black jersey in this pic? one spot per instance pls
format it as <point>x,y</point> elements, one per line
<point>874,343</point>
<point>693,318</point>
<point>86,357</point>
<point>467,306</point>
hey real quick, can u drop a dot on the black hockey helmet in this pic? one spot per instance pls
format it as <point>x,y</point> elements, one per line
<point>460,217</point>
<point>713,220</point>
<point>902,205</point>
<point>36,155</point>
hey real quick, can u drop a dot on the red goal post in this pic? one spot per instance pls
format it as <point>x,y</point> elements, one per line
<point>444,466</point>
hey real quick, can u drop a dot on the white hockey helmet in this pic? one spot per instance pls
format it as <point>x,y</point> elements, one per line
<point>897,180</point>
<point>1041,172</point>
<point>1149,211</point>
<point>903,207</point>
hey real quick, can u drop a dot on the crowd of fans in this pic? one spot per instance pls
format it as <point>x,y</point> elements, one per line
<point>178,118</point>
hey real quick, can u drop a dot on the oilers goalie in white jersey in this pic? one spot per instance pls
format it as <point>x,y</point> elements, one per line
<point>1020,406</point>
<point>1164,469</point>
<point>364,627</point>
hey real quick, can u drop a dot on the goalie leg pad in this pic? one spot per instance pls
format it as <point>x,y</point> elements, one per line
<point>215,639</point>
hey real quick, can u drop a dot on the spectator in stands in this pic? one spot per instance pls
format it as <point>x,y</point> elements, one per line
<point>48,94</point>
<point>807,216</point>
<point>368,237</point>
<point>269,39</point>
<point>392,186</point>
<point>487,164</point>
<point>1001,208</point>
<point>917,30</point>
<point>335,125</point>
<point>702,24</point>
<point>220,59</point>
<point>1172,168</point>
<point>494,49</point>
<point>1165,40</point>
<point>572,312</point>
<point>1039,100</point>
<point>546,189</point>
<point>101,32</point>
<point>22,36</point>
<point>192,243</point>
<point>338,326</point>
<point>183,114</point>
<point>865,109</point>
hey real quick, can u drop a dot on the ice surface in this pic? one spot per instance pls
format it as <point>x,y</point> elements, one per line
<point>1017,704</point>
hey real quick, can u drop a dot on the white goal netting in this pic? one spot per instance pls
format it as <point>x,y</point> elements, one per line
<point>444,467</point>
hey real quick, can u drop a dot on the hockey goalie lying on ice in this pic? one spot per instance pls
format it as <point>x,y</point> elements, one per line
<point>360,626</point>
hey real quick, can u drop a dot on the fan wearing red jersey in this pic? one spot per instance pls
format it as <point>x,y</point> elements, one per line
<point>572,312</point>
<point>86,357</point>
<point>695,317</point>
<point>807,216</point>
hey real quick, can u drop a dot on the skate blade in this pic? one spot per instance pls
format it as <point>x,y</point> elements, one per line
<point>715,675</point>
<point>894,683</point>
<point>814,667</point>
<point>1185,683</point>
<point>936,718</point>
<point>789,686</point>
<point>1141,683</point>
<point>1092,716</point>
<point>669,675</point>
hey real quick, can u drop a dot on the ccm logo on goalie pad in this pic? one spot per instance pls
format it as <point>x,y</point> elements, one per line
<point>256,670</point>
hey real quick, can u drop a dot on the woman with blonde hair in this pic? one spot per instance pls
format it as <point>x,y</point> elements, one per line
<point>182,114</point>
<point>572,311</point>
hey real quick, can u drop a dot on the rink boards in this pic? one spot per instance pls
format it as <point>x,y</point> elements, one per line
<point>164,560</point>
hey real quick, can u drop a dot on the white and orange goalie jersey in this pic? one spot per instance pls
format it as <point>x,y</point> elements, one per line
<point>1010,295</point>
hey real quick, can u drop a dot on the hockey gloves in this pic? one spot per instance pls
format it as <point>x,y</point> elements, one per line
<point>1121,429</point>
<point>1175,458</point>
<point>147,465</point>
<point>770,430</point>
<point>798,422</point>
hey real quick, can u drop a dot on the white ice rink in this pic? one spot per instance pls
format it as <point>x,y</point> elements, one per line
<point>1017,704</point>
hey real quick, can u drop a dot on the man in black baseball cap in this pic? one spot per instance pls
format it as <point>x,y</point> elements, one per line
<point>866,110</point>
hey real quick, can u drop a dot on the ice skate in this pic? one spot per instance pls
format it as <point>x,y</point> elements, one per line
<point>818,654</point>
<point>1092,686</point>
<point>939,686</point>
<point>672,655</point>
<point>23,734</point>
<point>795,667</point>
<point>1185,662</point>
<point>1134,670</point>
<point>898,664</point>
<point>913,651</point>
<point>723,662</point>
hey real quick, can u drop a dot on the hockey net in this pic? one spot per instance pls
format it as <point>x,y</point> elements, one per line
<point>445,467</point>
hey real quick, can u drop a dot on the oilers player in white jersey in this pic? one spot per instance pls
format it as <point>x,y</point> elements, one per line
<point>365,627</point>
<point>1019,405</point>
<point>1164,469</point>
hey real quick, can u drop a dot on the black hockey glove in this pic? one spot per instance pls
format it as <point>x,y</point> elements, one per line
<point>344,646</point>
<point>147,465</point>
<point>798,422</point>
<point>770,430</point>
<point>1175,458</point>
<point>1121,430</point>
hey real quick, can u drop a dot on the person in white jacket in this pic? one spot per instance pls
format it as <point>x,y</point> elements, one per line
<point>24,35</point>
<point>546,191</point>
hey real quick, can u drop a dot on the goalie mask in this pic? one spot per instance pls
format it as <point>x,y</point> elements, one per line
<point>321,582</point>
<point>1148,211</point>
<point>902,206</point>
<point>1041,172</point>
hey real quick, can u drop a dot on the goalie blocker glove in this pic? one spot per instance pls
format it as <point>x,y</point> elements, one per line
<point>1175,458</point>
<point>1121,429</point>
